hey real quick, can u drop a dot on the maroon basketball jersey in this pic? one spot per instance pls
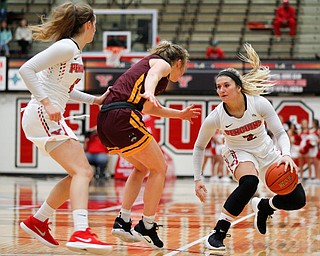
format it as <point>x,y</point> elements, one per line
<point>131,83</point>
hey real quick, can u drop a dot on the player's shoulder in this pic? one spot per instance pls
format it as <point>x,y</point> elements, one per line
<point>217,111</point>
<point>218,108</point>
<point>67,44</point>
<point>257,99</point>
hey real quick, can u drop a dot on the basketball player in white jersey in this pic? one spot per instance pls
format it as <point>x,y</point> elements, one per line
<point>51,76</point>
<point>249,150</point>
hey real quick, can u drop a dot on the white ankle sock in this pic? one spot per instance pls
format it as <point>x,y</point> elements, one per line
<point>80,219</point>
<point>225,217</point>
<point>125,214</point>
<point>148,221</point>
<point>44,212</point>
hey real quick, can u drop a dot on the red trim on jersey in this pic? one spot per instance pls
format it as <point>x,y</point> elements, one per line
<point>43,121</point>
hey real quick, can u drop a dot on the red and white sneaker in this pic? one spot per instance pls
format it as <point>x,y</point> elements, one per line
<point>39,230</point>
<point>86,241</point>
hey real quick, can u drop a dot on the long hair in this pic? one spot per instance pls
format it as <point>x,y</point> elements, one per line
<point>171,52</point>
<point>66,20</point>
<point>257,81</point>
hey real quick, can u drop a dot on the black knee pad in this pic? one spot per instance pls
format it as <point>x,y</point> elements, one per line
<point>241,196</point>
<point>292,201</point>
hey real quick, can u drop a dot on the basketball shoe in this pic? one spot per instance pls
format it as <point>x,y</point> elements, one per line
<point>217,235</point>
<point>262,211</point>
<point>122,230</point>
<point>86,241</point>
<point>148,236</point>
<point>39,230</point>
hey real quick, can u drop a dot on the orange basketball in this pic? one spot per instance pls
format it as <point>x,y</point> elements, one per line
<point>280,181</point>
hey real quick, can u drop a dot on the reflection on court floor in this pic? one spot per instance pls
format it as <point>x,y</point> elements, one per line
<point>185,221</point>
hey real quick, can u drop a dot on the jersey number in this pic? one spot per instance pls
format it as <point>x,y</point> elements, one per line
<point>249,137</point>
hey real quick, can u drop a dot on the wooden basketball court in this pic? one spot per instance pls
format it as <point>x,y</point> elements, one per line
<point>186,222</point>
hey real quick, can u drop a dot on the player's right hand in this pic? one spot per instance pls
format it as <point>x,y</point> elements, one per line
<point>201,191</point>
<point>51,110</point>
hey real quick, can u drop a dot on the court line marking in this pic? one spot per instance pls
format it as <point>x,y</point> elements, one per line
<point>185,247</point>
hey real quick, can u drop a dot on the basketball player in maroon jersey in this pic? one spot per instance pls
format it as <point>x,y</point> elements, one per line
<point>122,130</point>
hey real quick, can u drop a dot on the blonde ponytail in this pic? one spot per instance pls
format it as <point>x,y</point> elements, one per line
<point>257,81</point>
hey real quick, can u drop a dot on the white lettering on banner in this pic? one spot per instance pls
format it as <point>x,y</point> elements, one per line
<point>286,89</point>
<point>287,76</point>
<point>124,164</point>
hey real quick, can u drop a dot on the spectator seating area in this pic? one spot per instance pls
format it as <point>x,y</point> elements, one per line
<point>192,23</point>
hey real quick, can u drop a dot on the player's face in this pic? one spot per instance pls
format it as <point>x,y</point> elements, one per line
<point>177,70</point>
<point>91,30</point>
<point>227,89</point>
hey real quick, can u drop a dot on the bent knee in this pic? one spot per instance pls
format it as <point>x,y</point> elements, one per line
<point>84,172</point>
<point>300,200</point>
<point>299,196</point>
<point>162,170</point>
<point>142,172</point>
<point>293,201</point>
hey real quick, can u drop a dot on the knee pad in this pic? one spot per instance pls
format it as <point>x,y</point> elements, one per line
<point>241,196</point>
<point>292,201</point>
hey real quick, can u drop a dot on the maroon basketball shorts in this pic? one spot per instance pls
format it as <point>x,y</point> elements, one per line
<point>123,131</point>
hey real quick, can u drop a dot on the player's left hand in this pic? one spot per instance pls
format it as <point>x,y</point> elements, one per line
<point>289,164</point>
<point>189,113</point>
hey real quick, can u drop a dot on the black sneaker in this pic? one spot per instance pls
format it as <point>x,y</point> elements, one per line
<point>262,211</point>
<point>215,240</point>
<point>122,230</point>
<point>148,236</point>
<point>217,235</point>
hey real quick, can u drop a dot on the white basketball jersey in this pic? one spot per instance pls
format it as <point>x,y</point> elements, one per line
<point>247,132</point>
<point>54,72</point>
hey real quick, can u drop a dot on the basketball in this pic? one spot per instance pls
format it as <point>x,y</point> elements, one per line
<point>280,181</point>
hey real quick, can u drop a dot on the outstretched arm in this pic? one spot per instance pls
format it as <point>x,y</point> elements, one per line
<point>188,113</point>
<point>83,97</point>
